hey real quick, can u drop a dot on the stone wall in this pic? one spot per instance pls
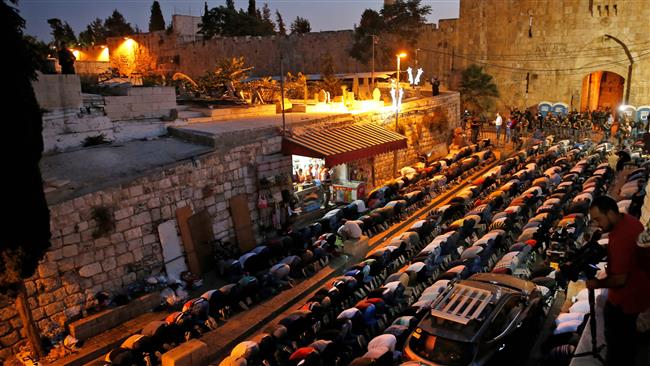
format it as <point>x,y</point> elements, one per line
<point>81,262</point>
<point>58,91</point>
<point>173,53</point>
<point>67,129</point>
<point>566,43</point>
<point>91,67</point>
<point>141,102</point>
<point>545,61</point>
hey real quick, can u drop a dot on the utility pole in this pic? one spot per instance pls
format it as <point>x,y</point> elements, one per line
<point>397,88</point>
<point>372,75</point>
<point>282,92</point>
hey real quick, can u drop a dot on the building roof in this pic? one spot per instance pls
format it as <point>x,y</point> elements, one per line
<point>344,144</point>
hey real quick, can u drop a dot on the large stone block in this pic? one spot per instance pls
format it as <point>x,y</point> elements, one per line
<point>90,270</point>
<point>97,323</point>
<point>47,269</point>
<point>192,353</point>
<point>125,259</point>
<point>109,264</point>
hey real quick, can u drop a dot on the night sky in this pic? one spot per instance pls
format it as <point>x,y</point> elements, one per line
<point>323,15</point>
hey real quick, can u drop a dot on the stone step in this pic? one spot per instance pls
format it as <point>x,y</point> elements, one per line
<point>95,324</point>
<point>101,344</point>
<point>186,114</point>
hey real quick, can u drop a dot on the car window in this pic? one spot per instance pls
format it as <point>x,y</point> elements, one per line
<point>506,315</point>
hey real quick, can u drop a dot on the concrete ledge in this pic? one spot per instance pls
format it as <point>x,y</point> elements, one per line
<point>97,323</point>
<point>96,347</point>
<point>191,353</point>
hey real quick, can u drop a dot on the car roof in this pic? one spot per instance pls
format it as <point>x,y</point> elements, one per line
<point>462,310</point>
<point>511,282</point>
<point>450,320</point>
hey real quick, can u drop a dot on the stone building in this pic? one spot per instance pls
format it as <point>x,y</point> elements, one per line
<point>585,53</point>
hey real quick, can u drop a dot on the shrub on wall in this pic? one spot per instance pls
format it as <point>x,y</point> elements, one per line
<point>104,219</point>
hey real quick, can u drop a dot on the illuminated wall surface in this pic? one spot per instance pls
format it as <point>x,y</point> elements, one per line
<point>95,53</point>
<point>535,50</point>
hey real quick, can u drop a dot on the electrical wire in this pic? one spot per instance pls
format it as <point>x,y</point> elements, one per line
<point>563,54</point>
<point>524,69</point>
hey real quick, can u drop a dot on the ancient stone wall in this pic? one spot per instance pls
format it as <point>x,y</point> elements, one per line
<point>91,67</point>
<point>141,102</point>
<point>536,50</point>
<point>141,113</point>
<point>83,261</point>
<point>172,54</point>
<point>553,44</point>
<point>57,91</point>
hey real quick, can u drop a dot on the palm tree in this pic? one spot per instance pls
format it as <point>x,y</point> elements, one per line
<point>477,89</point>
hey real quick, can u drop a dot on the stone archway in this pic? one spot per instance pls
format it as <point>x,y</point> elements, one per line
<point>602,89</point>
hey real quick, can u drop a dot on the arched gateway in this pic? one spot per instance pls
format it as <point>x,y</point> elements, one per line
<point>602,89</point>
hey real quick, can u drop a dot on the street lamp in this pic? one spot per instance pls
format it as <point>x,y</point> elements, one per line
<point>372,75</point>
<point>399,56</point>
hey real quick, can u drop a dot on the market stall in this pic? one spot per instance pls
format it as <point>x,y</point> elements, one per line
<point>332,149</point>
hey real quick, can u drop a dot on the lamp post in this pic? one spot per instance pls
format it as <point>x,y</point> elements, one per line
<point>372,75</point>
<point>397,90</point>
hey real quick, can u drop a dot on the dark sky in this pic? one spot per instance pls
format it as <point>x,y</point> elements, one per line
<point>322,14</point>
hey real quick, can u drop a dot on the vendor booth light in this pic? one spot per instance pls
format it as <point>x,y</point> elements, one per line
<point>103,55</point>
<point>623,107</point>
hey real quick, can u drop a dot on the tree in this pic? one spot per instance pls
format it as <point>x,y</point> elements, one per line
<point>94,34</point>
<point>226,21</point>
<point>229,71</point>
<point>117,26</point>
<point>266,13</point>
<point>156,20</point>
<point>329,80</point>
<point>252,8</point>
<point>300,26</point>
<point>62,32</point>
<point>371,25</point>
<point>282,30</point>
<point>40,52</point>
<point>477,89</point>
<point>230,4</point>
<point>398,24</point>
<point>24,242</point>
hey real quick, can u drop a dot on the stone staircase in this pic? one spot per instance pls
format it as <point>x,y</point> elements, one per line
<point>190,114</point>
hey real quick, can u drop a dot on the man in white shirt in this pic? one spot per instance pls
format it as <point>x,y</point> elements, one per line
<point>498,122</point>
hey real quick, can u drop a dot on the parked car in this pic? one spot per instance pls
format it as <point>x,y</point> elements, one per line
<point>478,321</point>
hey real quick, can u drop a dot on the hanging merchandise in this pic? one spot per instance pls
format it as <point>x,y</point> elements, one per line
<point>262,202</point>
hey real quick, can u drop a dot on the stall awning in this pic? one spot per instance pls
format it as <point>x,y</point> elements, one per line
<point>343,144</point>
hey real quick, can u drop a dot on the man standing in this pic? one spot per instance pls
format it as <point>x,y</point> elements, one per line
<point>627,280</point>
<point>66,59</point>
<point>326,183</point>
<point>476,125</point>
<point>435,86</point>
<point>497,123</point>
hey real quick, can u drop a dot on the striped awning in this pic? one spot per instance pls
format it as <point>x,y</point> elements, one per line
<point>344,144</point>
